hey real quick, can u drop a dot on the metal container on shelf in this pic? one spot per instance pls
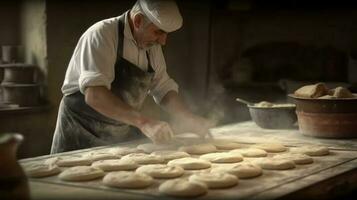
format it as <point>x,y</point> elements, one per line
<point>22,94</point>
<point>11,53</point>
<point>18,73</point>
<point>1,73</point>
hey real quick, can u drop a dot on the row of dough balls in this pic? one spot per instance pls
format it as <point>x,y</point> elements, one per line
<point>196,184</point>
<point>131,161</point>
<point>257,150</point>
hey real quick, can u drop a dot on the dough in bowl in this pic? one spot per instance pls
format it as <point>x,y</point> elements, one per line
<point>341,92</point>
<point>312,91</point>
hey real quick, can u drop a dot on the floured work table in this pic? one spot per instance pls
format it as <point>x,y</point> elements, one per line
<point>328,177</point>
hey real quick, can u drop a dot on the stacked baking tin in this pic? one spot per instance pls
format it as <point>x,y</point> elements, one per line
<point>18,81</point>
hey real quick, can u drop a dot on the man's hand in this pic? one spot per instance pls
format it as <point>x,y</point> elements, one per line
<point>183,120</point>
<point>158,131</point>
<point>194,124</point>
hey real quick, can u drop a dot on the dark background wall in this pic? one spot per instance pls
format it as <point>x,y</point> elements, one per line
<point>9,23</point>
<point>207,57</point>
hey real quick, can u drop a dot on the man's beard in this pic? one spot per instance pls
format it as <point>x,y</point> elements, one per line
<point>149,45</point>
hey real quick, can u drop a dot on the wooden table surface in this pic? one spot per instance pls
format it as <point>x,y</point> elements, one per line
<point>328,177</point>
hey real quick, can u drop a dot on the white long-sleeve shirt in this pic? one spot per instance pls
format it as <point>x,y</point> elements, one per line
<point>93,60</point>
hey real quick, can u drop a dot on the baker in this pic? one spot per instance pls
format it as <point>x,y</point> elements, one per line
<point>118,62</point>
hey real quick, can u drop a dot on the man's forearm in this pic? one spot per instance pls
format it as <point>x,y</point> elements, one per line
<point>183,120</point>
<point>105,102</point>
<point>174,105</point>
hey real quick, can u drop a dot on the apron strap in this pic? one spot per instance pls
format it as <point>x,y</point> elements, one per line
<point>120,47</point>
<point>150,69</point>
<point>120,37</point>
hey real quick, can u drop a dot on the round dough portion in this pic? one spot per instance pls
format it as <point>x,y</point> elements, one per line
<point>199,148</point>
<point>95,156</point>
<point>226,144</point>
<point>81,173</point>
<point>222,157</point>
<point>241,170</point>
<point>127,179</point>
<point>171,155</point>
<point>122,151</point>
<point>115,165</point>
<point>183,188</point>
<point>271,147</point>
<point>215,180</point>
<point>143,158</point>
<point>298,158</point>
<point>190,163</point>
<point>68,161</point>
<point>312,150</point>
<point>161,171</point>
<point>251,152</point>
<point>38,170</point>
<point>275,164</point>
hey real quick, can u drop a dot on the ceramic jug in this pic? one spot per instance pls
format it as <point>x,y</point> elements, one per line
<point>13,181</point>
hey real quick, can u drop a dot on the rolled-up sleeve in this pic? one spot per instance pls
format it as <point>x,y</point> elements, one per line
<point>162,82</point>
<point>96,59</point>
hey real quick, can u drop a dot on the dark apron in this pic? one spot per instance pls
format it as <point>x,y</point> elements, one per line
<point>79,126</point>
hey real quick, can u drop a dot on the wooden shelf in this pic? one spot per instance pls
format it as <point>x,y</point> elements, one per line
<point>29,109</point>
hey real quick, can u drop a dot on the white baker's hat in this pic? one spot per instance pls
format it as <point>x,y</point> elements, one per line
<point>163,13</point>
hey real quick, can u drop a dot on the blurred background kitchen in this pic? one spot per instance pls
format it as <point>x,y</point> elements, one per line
<point>253,49</point>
